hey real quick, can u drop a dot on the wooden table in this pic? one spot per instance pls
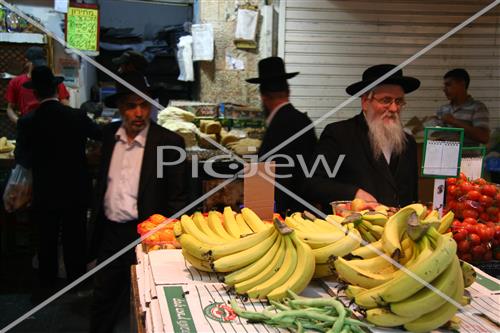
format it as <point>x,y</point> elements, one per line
<point>137,318</point>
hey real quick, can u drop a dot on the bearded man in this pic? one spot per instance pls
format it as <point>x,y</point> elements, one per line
<point>379,158</point>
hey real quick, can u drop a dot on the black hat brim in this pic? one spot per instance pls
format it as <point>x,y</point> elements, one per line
<point>258,80</point>
<point>57,80</point>
<point>111,100</point>
<point>408,84</point>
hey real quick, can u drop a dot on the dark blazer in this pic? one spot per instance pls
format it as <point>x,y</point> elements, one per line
<point>164,195</point>
<point>51,140</point>
<point>394,184</point>
<point>286,122</point>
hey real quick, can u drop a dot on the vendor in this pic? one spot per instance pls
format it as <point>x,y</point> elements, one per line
<point>463,111</point>
<point>376,159</point>
<point>22,99</point>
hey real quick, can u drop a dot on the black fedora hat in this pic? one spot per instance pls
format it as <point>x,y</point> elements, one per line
<point>41,77</point>
<point>370,75</point>
<point>132,57</point>
<point>271,69</point>
<point>136,80</point>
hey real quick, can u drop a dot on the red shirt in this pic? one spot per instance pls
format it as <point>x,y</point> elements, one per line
<point>25,98</point>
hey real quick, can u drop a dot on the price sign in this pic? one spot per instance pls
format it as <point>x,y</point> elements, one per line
<point>82,27</point>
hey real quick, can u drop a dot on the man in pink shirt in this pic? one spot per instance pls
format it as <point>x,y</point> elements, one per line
<point>22,99</point>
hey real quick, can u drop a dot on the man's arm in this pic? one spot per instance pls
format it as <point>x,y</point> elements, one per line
<point>11,113</point>
<point>479,134</point>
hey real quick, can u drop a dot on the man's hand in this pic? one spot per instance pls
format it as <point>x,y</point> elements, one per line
<point>448,119</point>
<point>362,194</point>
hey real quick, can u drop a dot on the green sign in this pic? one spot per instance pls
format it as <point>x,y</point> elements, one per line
<point>182,320</point>
<point>82,27</point>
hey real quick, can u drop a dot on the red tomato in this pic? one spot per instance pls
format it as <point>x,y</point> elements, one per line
<point>495,218</point>
<point>470,220</point>
<point>478,251</point>
<point>460,235</point>
<point>451,181</point>
<point>465,257</point>
<point>485,233</point>
<point>463,176</point>
<point>497,232</point>
<point>492,210</point>
<point>486,201</point>
<point>452,205</point>
<point>474,238</point>
<point>450,189</point>
<point>489,190</point>
<point>484,217</point>
<point>465,187</point>
<point>463,246</point>
<point>470,213</point>
<point>474,195</point>
<point>472,229</point>
<point>488,256</point>
<point>497,197</point>
<point>457,224</point>
<point>480,181</point>
<point>491,224</point>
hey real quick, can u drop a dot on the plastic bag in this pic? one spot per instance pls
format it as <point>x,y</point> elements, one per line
<point>18,191</point>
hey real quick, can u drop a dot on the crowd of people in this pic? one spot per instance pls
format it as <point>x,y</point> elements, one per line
<point>378,161</point>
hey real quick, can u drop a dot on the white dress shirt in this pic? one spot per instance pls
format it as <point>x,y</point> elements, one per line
<point>120,200</point>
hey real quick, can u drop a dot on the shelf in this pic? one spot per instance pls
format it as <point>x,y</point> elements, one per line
<point>22,37</point>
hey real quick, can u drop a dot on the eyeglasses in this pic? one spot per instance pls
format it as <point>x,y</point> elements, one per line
<point>387,101</point>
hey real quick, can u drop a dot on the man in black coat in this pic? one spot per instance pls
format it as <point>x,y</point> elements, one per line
<point>283,121</point>
<point>134,184</point>
<point>379,158</point>
<point>51,141</point>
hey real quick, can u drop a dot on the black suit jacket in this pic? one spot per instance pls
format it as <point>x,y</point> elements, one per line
<point>394,184</point>
<point>51,140</point>
<point>286,122</point>
<point>164,195</point>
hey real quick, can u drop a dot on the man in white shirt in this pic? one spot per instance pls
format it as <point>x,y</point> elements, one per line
<point>128,192</point>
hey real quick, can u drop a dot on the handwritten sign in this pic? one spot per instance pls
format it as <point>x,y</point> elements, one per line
<point>82,27</point>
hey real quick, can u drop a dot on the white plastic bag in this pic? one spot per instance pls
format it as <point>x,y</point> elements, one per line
<point>185,58</point>
<point>18,192</point>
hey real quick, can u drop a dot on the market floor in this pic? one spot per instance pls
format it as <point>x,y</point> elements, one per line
<point>68,314</point>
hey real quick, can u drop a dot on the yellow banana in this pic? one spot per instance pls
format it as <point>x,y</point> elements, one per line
<point>439,317</point>
<point>396,226</point>
<point>252,220</point>
<point>352,291</point>
<point>202,224</point>
<point>468,273</point>
<point>230,223</point>
<point>281,276</point>
<point>329,227</point>
<point>272,268</point>
<point>427,300</point>
<point>302,275</point>
<point>193,246</point>
<point>334,219</point>
<point>359,276</point>
<point>340,248</point>
<point>322,270</point>
<point>385,318</point>
<point>241,259</point>
<point>369,251</point>
<point>427,266</point>
<point>188,226</point>
<point>244,228</point>
<point>215,223</point>
<point>433,215</point>
<point>199,264</point>
<point>446,222</point>
<point>239,245</point>
<point>377,218</point>
<point>255,268</point>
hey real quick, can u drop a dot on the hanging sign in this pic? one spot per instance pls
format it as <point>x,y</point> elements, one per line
<point>82,27</point>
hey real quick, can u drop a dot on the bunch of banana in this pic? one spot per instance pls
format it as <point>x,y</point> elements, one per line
<point>422,294</point>
<point>263,263</point>
<point>328,238</point>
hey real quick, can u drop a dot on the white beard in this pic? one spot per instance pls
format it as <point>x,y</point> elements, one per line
<point>388,136</point>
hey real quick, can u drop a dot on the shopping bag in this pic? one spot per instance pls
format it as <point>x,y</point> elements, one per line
<point>18,191</point>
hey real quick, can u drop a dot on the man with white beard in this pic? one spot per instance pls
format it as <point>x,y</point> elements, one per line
<point>380,162</point>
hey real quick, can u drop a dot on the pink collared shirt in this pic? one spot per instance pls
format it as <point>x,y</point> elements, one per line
<point>120,200</point>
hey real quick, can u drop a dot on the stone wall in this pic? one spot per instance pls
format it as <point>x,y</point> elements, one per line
<point>216,83</point>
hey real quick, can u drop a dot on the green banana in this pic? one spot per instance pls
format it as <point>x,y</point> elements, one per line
<point>427,300</point>
<point>396,226</point>
<point>385,318</point>
<point>427,266</point>
<point>468,273</point>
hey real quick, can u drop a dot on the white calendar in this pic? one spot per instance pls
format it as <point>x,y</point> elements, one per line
<point>442,158</point>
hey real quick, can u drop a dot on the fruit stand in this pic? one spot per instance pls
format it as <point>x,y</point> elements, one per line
<point>367,267</point>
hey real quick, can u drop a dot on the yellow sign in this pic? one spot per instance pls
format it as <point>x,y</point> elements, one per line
<point>82,28</point>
